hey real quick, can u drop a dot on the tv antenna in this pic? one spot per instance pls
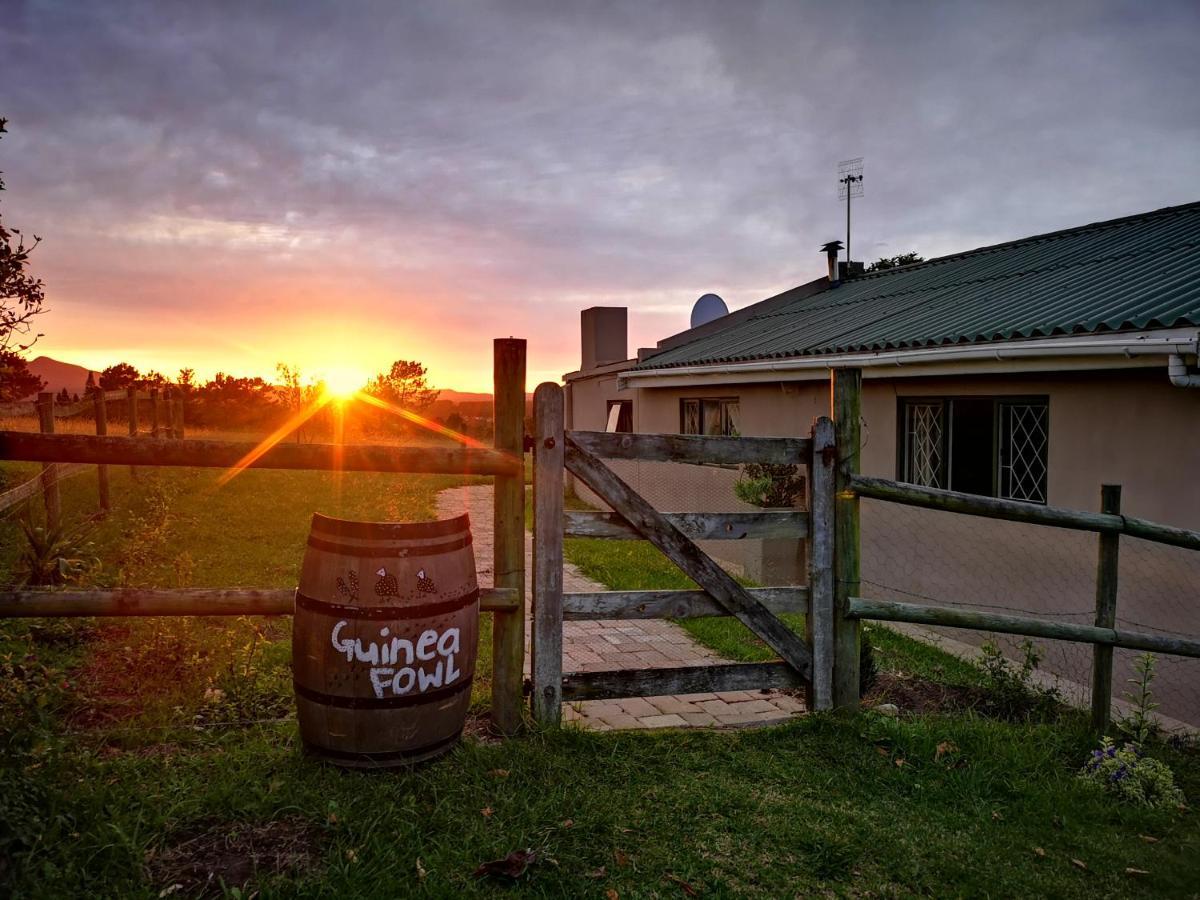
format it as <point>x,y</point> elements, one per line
<point>850,184</point>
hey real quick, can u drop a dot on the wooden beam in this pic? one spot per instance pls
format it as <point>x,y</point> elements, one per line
<point>819,627</point>
<point>889,611</point>
<point>846,406</point>
<point>508,629</point>
<point>226,454</point>
<point>696,525</point>
<point>697,449</point>
<point>1106,610</point>
<point>50,492</point>
<point>696,564</point>
<point>683,680</point>
<point>547,642</point>
<point>199,602</point>
<point>1019,511</point>
<point>100,406</point>
<point>583,607</point>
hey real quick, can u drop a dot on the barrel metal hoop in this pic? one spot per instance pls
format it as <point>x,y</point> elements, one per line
<point>397,702</point>
<point>418,551</point>
<point>398,613</point>
<point>384,756</point>
<point>396,531</point>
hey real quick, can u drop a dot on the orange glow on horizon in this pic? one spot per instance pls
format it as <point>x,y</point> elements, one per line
<point>339,401</point>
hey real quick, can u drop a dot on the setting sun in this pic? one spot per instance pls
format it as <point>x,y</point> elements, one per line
<point>344,381</point>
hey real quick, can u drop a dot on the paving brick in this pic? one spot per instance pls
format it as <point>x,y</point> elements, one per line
<point>716,707</point>
<point>698,719</point>
<point>638,706</point>
<point>622,721</point>
<point>753,707</point>
<point>664,721</point>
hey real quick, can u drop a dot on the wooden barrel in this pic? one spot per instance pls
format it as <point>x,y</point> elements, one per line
<point>384,639</point>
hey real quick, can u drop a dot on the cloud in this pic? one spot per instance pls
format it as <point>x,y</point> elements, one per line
<point>489,166</point>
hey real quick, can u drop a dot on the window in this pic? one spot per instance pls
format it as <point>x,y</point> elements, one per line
<point>979,445</point>
<point>620,416</point>
<point>718,415</point>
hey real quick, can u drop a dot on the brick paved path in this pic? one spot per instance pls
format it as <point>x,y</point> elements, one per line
<point>622,644</point>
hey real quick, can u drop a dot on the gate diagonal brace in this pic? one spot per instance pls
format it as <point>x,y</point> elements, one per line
<point>693,561</point>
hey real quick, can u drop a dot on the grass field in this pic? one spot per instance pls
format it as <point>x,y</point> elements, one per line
<point>142,755</point>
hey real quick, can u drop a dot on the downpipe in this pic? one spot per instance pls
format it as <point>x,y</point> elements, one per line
<point>1177,371</point>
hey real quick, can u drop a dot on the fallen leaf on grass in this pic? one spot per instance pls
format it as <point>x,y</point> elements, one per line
<point>1038,851</point>
<point>352,855</point>
<point>620,857</point>
<point>997,816</point>
<point>687,888</point>
<point>1132,871</point>
<point>512,866</point>
<point>900,763</point>
<point>486,812</point>
<point>1148,839</point>
<point>598,873</point>
<point>421,873</point>
<point>1079,864</point>
<point>499,773</point>
<point>567,823</point>
<point>611,894</point>
<point>944,748</point>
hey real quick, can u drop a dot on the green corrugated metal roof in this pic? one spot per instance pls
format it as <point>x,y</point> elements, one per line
<point>1127,274</point>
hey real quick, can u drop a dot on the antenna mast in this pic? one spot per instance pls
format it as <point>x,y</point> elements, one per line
<point>850,184</point>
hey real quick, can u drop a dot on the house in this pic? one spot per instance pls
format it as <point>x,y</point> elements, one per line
<point>1037,370</point>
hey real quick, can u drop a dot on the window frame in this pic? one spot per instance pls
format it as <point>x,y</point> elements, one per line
<point>998,401</point>
<point>723,404</point>
<point>625,405</point>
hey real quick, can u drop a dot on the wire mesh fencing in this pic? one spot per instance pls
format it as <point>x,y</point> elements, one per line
<point>968,562</point>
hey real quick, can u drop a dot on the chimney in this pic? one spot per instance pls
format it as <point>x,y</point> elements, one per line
<point>831,254</point>
<point>605,335</point>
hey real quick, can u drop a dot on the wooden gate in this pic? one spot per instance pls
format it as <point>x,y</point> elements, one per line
<point>804,661</point>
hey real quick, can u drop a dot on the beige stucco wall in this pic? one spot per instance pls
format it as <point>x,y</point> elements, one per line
<point>1130,428</point>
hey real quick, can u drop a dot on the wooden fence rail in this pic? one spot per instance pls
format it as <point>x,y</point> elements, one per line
<point>920,614</point>
<point>1020,511</point>
<point>118,450</point>
<point>197,602</point>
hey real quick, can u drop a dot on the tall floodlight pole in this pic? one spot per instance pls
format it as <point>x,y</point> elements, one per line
<point>850,184</point>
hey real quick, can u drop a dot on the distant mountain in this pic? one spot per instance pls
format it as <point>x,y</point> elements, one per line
<point>466,403</point>
<point>59,375</point>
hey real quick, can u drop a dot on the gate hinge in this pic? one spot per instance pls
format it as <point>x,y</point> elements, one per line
<point>829,454</point>
<point>527,443</point>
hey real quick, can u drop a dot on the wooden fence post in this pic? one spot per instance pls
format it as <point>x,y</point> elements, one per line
<point>177,416</point>
<point>131,403</point>
<point>1106,610</point>
<point>50,492</point>
<point>846,404</point>
<point>548,446</point>
<point>155,413</point>
<point>818,624</point>
<point>508,629</point>
<point>101,415</point>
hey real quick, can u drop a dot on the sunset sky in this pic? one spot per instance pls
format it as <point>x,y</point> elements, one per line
<point>228,185</point>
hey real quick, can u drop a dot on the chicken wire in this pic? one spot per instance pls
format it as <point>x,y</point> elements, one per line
<point>968,562</point>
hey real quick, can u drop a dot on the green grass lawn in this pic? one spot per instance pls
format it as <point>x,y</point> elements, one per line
<point>139,755</point>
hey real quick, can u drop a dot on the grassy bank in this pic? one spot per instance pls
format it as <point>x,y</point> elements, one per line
<point>160,758</point>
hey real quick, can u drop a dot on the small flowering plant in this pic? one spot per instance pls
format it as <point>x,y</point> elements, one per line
<point>1130,775</point>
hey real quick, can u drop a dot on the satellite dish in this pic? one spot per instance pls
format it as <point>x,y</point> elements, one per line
<point>707,308</point>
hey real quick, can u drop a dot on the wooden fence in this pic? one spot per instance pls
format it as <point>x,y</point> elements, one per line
<point>1109,524</point>
<point>505,601</point>
<point>167,415</point>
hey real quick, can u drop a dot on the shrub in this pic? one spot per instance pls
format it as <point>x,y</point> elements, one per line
<point>770,486</point>
<point>1012,693</point>
<point>1139,726</point>
<point>56,556</point>
<point>1131,776</point>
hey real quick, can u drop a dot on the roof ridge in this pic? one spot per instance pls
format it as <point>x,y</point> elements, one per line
<point>1004,245</point>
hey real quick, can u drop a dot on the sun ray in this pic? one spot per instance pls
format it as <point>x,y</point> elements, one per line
<point>418,419</point>
<point>295,421</point>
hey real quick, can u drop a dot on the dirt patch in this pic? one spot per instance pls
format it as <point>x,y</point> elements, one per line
<point>229,855</point>
<point>480,727</point>
<point>919,695</point>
